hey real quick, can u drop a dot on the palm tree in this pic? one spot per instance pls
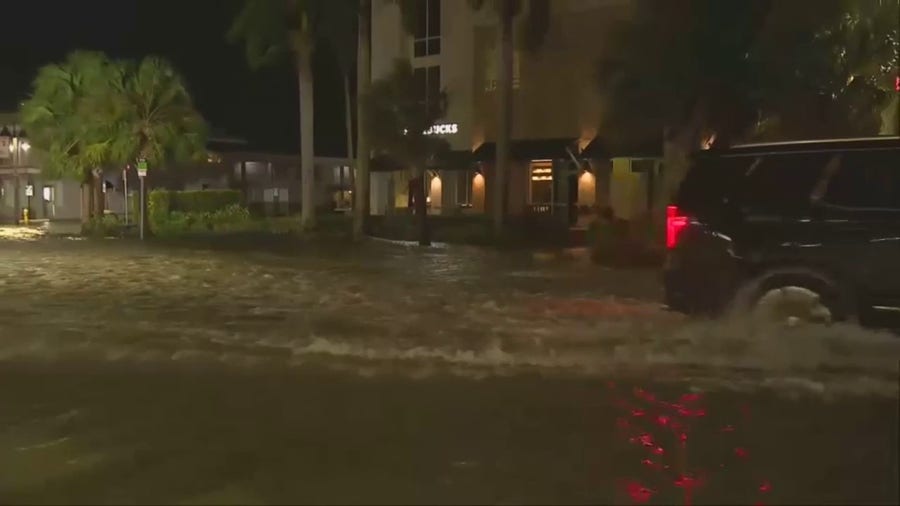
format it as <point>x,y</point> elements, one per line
<point>398,113</point>
<point>150,115</point>
<point>147,113</point>
<point>62,127</point>
<point>90,112</point>
<point>270,29</point>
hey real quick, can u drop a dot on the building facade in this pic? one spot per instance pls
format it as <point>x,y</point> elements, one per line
<point>23,188</point>
<point>269,181</point>
<point>558,167</point>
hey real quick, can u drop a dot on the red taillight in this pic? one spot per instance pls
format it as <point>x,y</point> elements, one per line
<point>675,224</point>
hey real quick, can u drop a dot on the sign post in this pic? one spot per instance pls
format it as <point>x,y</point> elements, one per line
<point>125,183</point>
<point>142,173</point>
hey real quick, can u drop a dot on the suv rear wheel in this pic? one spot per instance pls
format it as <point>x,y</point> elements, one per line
<point>794,296</point>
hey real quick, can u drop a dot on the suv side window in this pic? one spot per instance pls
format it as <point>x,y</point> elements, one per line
<point>711,181</point>
<point>782,182</point>
<point>866,180</point>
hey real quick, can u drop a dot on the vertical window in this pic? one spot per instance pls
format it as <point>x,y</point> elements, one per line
<point>464,188</point>
<point>427,36</point>
<point>428,80</point>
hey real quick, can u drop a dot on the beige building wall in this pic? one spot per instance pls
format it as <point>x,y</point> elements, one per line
<point>555,93</point>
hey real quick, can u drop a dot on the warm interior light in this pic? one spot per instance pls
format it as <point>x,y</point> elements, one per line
<point>26,146</point>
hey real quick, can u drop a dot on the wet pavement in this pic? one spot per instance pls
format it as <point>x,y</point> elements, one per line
<point>388,374</point>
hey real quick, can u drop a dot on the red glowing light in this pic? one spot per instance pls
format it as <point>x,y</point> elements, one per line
<point>897,83</point>
<point>690,398</point>
<point>675,224</point>
<point>652,465</point>
<point>685,481</point>
<point>638,493</point>
<point>676,419</point>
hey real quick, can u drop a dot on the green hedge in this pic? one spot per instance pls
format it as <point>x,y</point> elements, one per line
<point>178,212</point>
<point>234,218</point>
<point>203,201</point>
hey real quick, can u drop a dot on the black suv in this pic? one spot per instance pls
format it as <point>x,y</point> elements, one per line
<point>804,230</point>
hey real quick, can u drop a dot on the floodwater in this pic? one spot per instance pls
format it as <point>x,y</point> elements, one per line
<point>389,374</point>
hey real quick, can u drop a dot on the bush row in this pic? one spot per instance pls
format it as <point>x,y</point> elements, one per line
<point>172,213</point>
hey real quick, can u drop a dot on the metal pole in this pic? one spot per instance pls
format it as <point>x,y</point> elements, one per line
<point>142,208</point>
<point>125,182</point>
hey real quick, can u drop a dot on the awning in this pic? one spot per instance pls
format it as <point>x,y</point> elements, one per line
<point>530,149</point>
<point>453,160</point>
<point>448,160</point>
<point>601,149</point>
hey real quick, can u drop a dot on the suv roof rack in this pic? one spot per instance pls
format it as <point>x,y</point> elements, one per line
<point>817,141</point>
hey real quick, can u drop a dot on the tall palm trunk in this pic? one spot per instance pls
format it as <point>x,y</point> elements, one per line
<point>363,81</point>
<point>504,113</point>
<point>98,207</point>
<point>307,168</point>
<point>348,116</point>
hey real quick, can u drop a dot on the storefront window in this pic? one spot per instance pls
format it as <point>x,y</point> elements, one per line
<point>542,182</point>
<point>464,188</point>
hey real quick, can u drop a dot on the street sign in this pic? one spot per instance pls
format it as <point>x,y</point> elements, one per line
<point>142,168</point>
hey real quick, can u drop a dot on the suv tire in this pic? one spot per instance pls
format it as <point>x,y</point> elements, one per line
<point>823,293</point>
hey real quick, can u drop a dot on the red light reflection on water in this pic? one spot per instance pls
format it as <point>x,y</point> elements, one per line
<point>650,424</point>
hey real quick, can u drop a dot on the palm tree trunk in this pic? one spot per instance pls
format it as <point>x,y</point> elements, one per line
<point>348,115</point>
<point>421,208</point>
<point>307,168</point>
<point>98,207</point>
<point>504,114</point>
<point>363,81</point>
<point>86,193</point>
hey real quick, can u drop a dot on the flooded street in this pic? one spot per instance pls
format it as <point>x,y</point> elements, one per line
<point>388,374</point>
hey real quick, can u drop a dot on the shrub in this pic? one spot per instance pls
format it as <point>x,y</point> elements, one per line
<point>106,226</point>
<point>158,206</point>
<point>204,201</point>
<point>232,218</point>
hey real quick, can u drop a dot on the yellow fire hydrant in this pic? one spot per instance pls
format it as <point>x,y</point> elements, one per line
<point>25,216</point>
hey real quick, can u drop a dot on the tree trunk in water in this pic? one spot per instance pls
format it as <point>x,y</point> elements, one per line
<point>421,208</point>
<point>504,115</point>
<point>363,80</point>
<point>86,201</point>
<point>348,113</point>
<point>307,168</point>
<point>98,209</point>
<point>17,197</point>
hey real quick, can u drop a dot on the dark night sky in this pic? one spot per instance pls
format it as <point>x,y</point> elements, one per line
<point>260,106</point>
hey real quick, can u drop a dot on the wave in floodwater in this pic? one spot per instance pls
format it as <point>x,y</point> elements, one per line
<point>637,340</point>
